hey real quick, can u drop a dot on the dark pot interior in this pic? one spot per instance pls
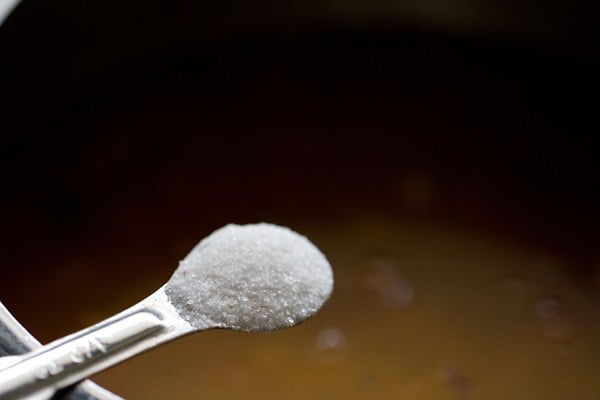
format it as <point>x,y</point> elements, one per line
<point>445,161</point>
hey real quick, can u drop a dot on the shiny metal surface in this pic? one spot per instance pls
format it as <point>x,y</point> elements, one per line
<point>15,339</point>
<point>6,7</point>
<point>50,368</point>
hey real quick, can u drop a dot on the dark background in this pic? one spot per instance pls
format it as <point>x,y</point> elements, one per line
<point>131,129</point>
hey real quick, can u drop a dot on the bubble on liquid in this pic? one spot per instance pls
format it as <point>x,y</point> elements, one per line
<point>555,319</point>
<point>456,380</point>
<point>330,339</point>
<point>384,278</point>
<point>516,283</point>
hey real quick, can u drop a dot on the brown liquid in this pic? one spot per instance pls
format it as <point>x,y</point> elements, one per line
<point>450,181</point>
<point>419,312</point>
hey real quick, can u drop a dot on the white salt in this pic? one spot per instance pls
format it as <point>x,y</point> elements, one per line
<point>256,277</point>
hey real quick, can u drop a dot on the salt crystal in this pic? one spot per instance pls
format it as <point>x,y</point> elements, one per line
<point>256,277</point>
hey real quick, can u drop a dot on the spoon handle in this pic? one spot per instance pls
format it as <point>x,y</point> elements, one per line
<point>16,340</point>
<point>77,356</point>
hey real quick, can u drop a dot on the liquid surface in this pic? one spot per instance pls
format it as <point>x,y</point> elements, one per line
<point>419,312</point>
